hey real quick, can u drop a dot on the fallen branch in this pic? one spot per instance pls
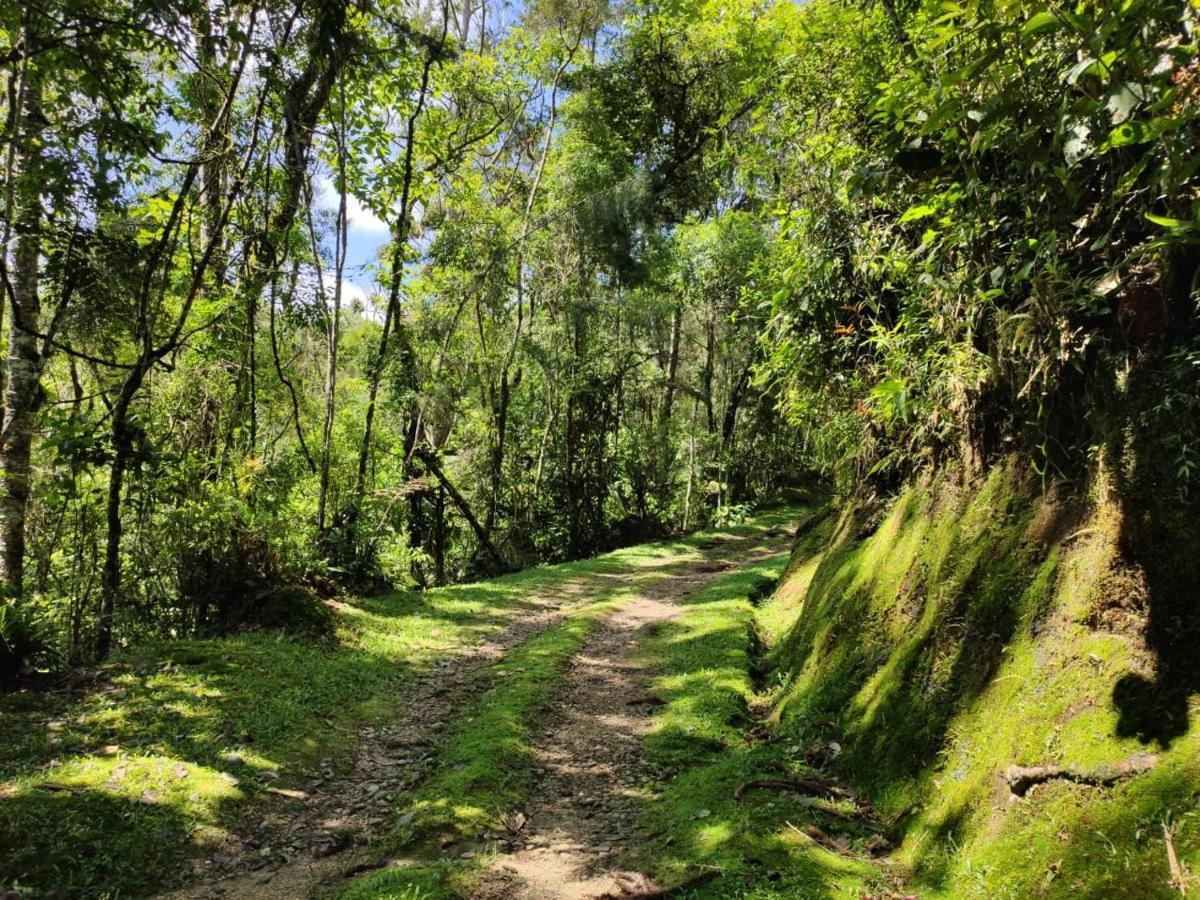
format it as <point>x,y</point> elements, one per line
<point>1177,877</point>
<point>862,814</point>
<point>1022,778</point>
<point>816,787</point>
<point>819,837</point>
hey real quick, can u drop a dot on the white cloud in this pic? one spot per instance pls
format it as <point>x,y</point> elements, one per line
<point>354,295</point>
<point>362,220</point>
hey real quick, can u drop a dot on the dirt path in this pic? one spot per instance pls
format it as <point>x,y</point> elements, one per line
<point>584,811</point>
<point>319,830</point>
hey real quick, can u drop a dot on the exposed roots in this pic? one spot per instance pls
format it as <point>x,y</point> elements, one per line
<point>1023,778</point>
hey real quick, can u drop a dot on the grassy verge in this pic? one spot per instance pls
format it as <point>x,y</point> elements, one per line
<point>696,831</point>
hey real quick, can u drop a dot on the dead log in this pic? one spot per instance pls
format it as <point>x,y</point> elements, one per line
<point>1022,778</point>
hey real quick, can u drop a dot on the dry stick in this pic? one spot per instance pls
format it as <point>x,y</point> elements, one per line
<point>1177,876</point>
<point>820,838</point>
<point>637,885</point>
<point>863,814</point>
<point>1021,778</point>
<point>812,786</point>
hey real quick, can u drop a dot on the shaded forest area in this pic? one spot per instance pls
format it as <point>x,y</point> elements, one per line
<point>646,265</point>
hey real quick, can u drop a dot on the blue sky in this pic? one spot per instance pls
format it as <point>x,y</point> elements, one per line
<point>366,234</point>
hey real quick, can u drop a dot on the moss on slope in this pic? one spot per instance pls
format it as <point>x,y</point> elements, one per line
<point>973,626</point>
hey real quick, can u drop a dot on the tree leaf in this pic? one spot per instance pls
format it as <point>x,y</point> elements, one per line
<point>1040,23</point>
<point>920,211</point>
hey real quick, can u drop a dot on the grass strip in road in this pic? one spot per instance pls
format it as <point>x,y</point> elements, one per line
<point>484,770</point>
<point>486,766</point>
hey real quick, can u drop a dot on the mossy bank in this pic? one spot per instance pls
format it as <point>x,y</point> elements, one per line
<point>975,623</point>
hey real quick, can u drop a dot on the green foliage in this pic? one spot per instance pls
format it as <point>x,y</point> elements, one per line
<point>984,215</point>
<point>22,641</point>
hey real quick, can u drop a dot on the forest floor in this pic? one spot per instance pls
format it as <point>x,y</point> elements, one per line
<point>503,739</point>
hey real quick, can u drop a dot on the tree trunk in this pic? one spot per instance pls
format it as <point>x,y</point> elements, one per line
<point>463,507</point>
<point>23,392</point>
<point>666,450</point>
<point>110,578</point>
<point>391,316</point>
<point>439,537</point>
<point>710,352</point>
<point>333,321</point>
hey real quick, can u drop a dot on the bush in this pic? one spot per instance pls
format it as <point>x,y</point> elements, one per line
<point>292,608</point>
<point>21,640</point>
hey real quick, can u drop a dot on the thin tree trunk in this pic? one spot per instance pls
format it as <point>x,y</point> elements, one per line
<point>333,320</point>
<point>306,98</point>
<point>465,508</point>
<point>687,497</point>
<point>668,409</point>
<point>391,316</point>
<point>439,537</point>
<point>710,341</point>
<point>110,578</point>
<point>500,410</point>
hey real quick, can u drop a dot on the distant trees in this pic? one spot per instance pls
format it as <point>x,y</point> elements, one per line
<point>191,404</point>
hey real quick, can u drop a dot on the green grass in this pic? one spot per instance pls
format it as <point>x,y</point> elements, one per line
<point>429,880</point>
<point>108,793</point>
<point>706,664</point>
